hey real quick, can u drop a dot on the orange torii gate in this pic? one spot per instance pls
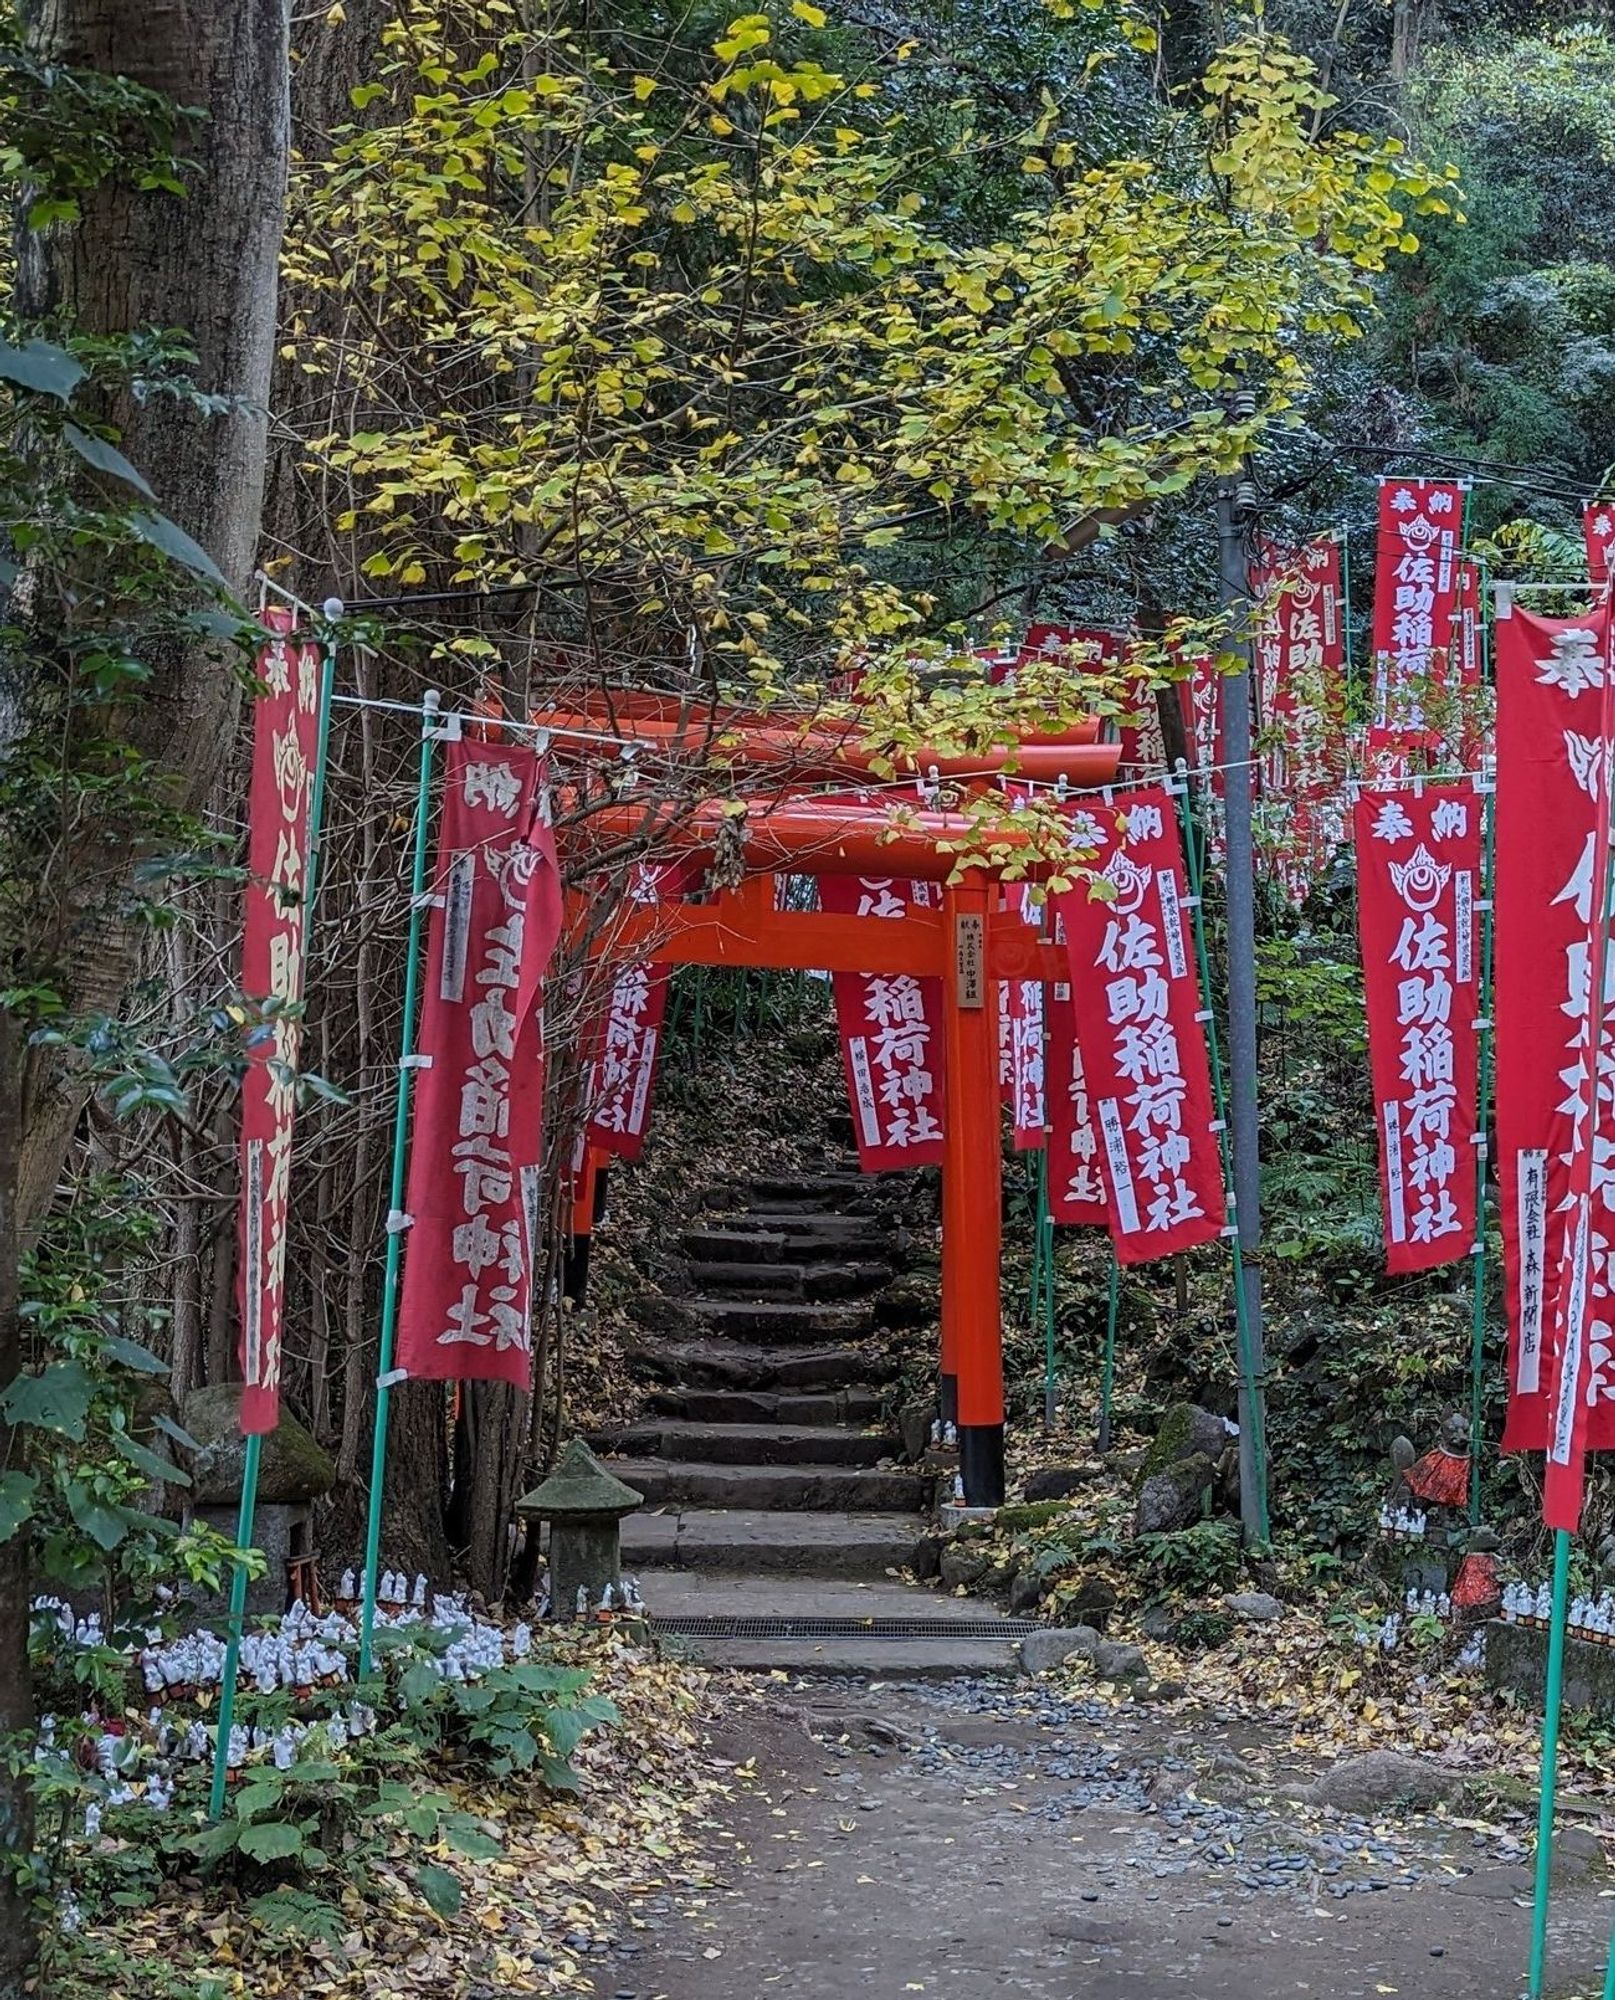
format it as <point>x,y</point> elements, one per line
<point>969,944</point>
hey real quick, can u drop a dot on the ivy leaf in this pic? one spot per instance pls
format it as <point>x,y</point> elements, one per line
<point>419,1682</point>
<point>558,1774</point>
<point>17,1490</point>
<point>567,1727</point>
<point>252,1800</point>
<point>441,1889</point>
<point>57,1399</point>
<point>132,1355</point>
<point>106,458</point>
<point>273,1840</point>
<point>468,1838</point>
<point>50,370</point>
<point>180,1435</point>
<point>105,1525</point>
<point>152,1463</point>
<point>161,533</point>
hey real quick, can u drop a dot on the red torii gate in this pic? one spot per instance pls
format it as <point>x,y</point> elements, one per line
<point>968,944</point>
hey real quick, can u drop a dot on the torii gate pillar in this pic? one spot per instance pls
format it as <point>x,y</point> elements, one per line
<point>972,1198</point>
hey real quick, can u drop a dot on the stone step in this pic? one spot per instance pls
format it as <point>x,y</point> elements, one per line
<point>727,1245</point>
<point>725,1364</point>
<point>795,1604</point>
<point>772,1488</point>
<point>862,1407</point>
<point>800,1281</point>
<point>791,1188</point>
<point>784,1319</point>
<point>778,1281</point>
<point>832,1202</point>
<point>938,1659</point>
<point>786,1239</point>
<point>749,1444</point>
<point>796,1222</point>
<point>744,1543</point>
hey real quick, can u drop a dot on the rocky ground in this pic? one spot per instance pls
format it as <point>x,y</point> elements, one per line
<point>967,1839</point>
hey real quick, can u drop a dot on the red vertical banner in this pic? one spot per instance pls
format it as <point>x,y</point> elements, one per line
<point>1416,579</point>
<point>1419,863</point>
<point>1139,1020</point>
<point>1076,1174</point>
<point>1200,696</point>
<point>1020,1032</point>
<point>1598,531</point>
<point>1472,736</point>
<point>477,1148</point>
<point>1301,704</point>
<point>1022,1003</point>
<point>891,1037</point>
<point>1138,725</point>
<point>1582,1340</point>
<point>285,743</point>
<point>1552,684</point>
<point>622,1071</point>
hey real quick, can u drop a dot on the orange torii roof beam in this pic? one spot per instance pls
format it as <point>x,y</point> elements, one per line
<point>817,837</point>
<point>595,708</point>
<point>744,927</point>
<point>1074,756</point>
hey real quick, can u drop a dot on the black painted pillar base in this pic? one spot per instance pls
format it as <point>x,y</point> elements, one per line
<point>981,1464</point>
<point>575,1269</point>
<point>948,1398</point>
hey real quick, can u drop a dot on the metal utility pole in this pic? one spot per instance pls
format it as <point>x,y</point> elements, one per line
<point>1233,500</point>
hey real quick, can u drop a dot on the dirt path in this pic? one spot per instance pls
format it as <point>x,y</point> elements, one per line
<point>966,1841</point>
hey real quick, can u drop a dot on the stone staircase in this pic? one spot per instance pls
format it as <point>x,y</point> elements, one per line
<point>763,1444</point>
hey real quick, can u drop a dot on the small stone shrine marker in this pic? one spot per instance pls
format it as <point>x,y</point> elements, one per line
<point>584,1506</point>
<point>296,1471</point>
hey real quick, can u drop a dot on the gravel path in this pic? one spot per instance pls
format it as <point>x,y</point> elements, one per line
<point>969,1840</point>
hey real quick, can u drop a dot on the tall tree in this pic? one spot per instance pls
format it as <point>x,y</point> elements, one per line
<point>112,259</point>
<point>134,258</point>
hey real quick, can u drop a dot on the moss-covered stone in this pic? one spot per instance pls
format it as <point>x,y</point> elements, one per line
<point>1031,1514</point>
<point>295,1468</point>
<point>580,1488</point>
<point>1186,1431</point>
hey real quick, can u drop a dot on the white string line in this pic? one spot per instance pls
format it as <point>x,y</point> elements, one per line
<point>267,582</point>
<point>649,746</point>
<point>841,787</point>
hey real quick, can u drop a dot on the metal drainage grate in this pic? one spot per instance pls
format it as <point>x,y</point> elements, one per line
<point>711,1625</point>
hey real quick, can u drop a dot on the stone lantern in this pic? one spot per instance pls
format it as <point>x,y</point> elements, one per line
<point>584,1506</point>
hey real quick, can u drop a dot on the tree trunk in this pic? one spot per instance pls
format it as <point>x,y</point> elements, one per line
<point>134,260</point>
<point>207,264</point>
<point>16,1692</point>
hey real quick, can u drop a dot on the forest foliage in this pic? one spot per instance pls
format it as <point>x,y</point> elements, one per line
<point>717,353</point>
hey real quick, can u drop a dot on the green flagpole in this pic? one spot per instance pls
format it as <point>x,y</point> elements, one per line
<point>1107,1380</point>
<point>1477,1320</point>
<point>1253,1387</point>
<point>1345,618</point>
<point>1550,1760</point>
<point>1561,1536</point>
<point>252,1458</point>
<point>397,1221</point>
<point>1043,1285</point>
<point>238,1612</point>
